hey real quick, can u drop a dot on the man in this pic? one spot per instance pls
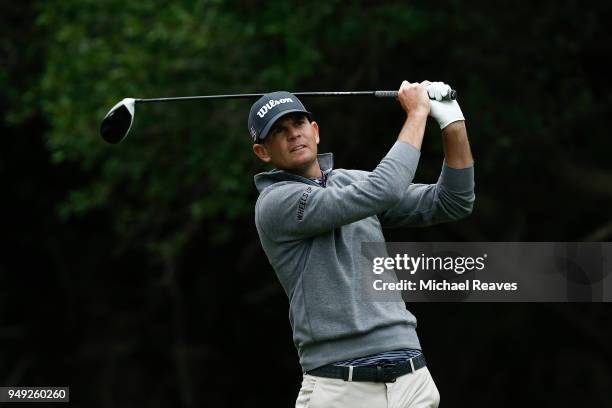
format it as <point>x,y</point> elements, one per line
<point>311,221</point>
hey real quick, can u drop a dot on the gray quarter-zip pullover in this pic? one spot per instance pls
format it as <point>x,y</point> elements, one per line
<point>312,237</point>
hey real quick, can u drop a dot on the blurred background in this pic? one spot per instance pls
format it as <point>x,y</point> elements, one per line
<point>133,273</point>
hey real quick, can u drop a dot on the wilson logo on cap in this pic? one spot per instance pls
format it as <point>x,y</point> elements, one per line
<point>272,103</point>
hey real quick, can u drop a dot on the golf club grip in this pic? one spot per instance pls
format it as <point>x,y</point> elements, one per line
<point>452,95</point>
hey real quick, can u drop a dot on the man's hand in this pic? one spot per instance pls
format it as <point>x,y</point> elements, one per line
<point>413,98</point>
<point>444,112</point>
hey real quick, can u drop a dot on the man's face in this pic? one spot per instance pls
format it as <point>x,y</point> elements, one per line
<point>291,144</point>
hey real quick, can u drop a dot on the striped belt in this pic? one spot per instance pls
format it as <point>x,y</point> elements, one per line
<point>386,372</point>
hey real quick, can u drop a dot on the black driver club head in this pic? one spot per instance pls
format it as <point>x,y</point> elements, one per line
<point>118,121</point>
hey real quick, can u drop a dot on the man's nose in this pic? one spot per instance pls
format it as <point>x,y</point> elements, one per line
<point>294,132</point>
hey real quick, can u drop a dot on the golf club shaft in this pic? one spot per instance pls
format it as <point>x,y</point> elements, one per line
<point>379,94</point>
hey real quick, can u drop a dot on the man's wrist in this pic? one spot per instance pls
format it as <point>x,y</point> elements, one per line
<point>456,127</point>
<point>418,114</point>
<point>456,146</point>
<point>414,128</point>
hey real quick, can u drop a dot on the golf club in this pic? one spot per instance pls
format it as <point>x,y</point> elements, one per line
<point>118,121</point>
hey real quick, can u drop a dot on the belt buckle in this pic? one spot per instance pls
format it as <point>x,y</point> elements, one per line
<point>389,368</point>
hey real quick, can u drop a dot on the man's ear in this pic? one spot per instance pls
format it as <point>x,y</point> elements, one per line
<point>261,152</point>
<point>315,126</point>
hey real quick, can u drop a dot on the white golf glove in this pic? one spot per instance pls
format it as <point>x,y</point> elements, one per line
<point>444,112</point>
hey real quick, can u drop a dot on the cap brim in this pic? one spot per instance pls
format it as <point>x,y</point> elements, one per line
<point>264,133</point>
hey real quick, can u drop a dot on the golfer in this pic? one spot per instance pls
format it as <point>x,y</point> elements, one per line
<point>311,220</point>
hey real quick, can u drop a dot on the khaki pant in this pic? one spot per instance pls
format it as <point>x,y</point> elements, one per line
<point>414,390</point>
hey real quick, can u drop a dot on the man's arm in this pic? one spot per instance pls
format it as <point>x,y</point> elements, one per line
<point>415,102</point>
<point>452,197</point>
<point>457,153</point>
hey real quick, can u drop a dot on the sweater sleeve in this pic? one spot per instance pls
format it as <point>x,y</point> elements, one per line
<point>296,210</point>
<point>450,199</point>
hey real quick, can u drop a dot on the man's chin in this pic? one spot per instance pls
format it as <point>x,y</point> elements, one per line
<point>305,160</point>
<point>300,164</point>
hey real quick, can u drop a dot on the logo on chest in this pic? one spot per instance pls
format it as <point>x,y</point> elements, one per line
<point>302,203</point>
